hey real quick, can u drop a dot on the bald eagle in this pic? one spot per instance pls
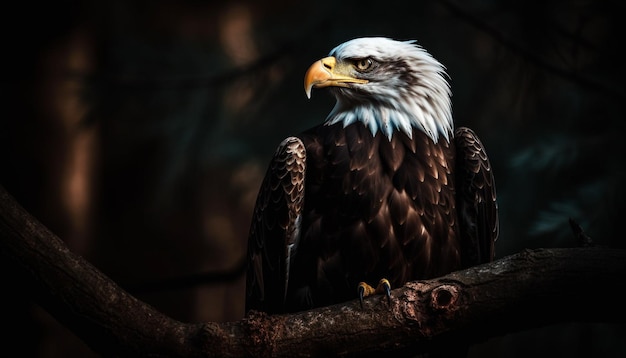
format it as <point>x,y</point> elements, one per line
<point>384,191</point>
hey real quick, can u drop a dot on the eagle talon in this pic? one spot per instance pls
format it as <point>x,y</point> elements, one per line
<point>364,291</point>
<point>361,291</point>
<point>384,286</point>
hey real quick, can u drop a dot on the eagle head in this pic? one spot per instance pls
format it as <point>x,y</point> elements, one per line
<point>386,84</point>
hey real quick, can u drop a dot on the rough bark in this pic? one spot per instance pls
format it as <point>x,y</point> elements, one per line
<point>530,289</point>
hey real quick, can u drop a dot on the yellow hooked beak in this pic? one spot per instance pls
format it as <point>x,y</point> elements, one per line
<point>324,73</point>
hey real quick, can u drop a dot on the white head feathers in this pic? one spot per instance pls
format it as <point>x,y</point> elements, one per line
<point>406,89</point>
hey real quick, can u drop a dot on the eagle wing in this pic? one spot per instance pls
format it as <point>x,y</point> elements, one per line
<point>275,228</point>
<point>476,199</point>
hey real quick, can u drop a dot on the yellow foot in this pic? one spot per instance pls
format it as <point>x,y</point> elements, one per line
<point>366,290</point>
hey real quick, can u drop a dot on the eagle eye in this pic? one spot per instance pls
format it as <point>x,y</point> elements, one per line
<point>364,64</point>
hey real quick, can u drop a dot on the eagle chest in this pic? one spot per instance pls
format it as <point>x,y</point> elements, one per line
<point>380,207</point>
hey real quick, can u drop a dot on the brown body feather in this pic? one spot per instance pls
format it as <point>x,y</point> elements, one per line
<point>366,208</point>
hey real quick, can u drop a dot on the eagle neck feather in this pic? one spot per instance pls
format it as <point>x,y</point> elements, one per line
<point>404,118</point>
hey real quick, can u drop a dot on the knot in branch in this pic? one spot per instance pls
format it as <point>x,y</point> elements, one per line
<point>444,297</point>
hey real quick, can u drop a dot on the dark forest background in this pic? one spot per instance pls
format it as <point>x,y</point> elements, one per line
<point>139,132</point>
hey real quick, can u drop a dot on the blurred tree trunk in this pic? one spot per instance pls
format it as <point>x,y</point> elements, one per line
<point>50,154</point>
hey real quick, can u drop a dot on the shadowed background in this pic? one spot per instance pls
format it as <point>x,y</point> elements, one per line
<point>139,132</point>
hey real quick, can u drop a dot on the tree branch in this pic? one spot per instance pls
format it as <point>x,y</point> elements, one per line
<point>530,289</point>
